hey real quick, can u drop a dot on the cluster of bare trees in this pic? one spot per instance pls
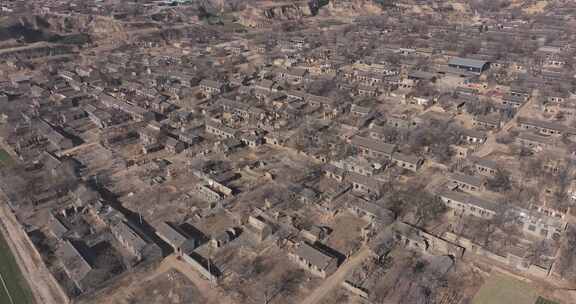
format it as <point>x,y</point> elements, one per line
<point>437,138</point>
<point>419,281</point>
<point>416,202</point>
<point>567,260</point>
<point>501,182</point>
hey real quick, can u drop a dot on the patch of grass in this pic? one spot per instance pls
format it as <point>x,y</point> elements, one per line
<point>502,289</point>
<point>542,300</point>
<point>5,159</point>
<point>14,280</point>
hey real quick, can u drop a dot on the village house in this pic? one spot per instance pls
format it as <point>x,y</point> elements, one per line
<point>174,146</point>
<point>466,204</point>
<point>551,55</point>
<point>217,182</point>
<point>513,101</point>
<point>160,106</point>
<point>208,194</point>
<point>400,121</point>
<point>57,225</point>
<point>484,166</point>
<point>377,132</point>
<point>414,238</point>
<point>557,96</point>
<point>489,122</point>
<point>211,87</point>
<point>359,165</point>
<point>474,136</point>
<point>370,211</point>
<point>560,110</point>
<point>465,182</point>
<point>420,99</point>
<point>511,255</point>
<point>265,87</point>
<point>520,92</point>
<point>293,75</point>
<point>189,136</point>
<point>466,91</point>
<point>419,75</point>
<point>275,139</point>
<point>129,238</point>
<point>367,91</point>
<point>176,238</point>
<point>235,107</point>
<point>337,173</point>
<point>540,225</point>
<point>314,260</point>
<point>407,161</point>
<point>359,111</point>
<point>373,148</point>
<point>136,112</point>
<point>220,130</point>
<point>258,227</point>
<point>99,117</point>
<point>544,127</point>
<point>149,135</point>
<point>363,184</point>
<point>74,263</point>
<point>534,142</point>
<point>251,139</point>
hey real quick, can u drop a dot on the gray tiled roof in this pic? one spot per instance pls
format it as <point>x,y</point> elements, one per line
<point>473,63</point>
<point>314,256</point>
<point>469,200</point>
<point>373,144</point>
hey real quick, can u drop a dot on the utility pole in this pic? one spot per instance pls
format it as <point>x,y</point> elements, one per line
<point>140,214</point>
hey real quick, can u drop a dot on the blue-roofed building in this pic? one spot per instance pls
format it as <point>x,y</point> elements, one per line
<point>470,65</point>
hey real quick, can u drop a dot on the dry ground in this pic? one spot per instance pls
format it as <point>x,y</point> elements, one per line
<point>270,275</point>
<point>171,287</point>
<point>346,232</point>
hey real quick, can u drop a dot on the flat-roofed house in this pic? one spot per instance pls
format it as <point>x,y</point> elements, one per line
<point>469,65</point>
<point>314,260</point>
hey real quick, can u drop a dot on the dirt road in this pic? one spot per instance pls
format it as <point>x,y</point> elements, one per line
<point>42,284</point>
<point>336,279</point>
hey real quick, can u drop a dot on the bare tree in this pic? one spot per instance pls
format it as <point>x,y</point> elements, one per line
<point>501,182</point>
